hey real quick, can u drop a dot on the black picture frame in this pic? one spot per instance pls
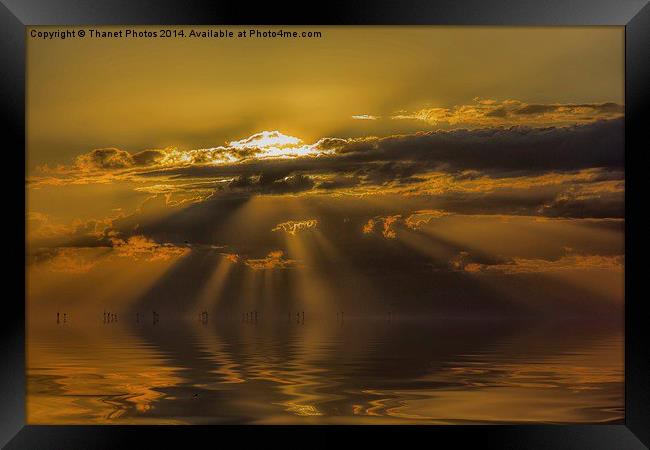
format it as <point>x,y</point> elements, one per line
<point>15,15</point>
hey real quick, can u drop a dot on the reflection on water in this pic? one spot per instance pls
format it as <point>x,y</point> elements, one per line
<point>325,371</point>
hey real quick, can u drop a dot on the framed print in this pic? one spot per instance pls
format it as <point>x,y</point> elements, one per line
<point>368,220</point>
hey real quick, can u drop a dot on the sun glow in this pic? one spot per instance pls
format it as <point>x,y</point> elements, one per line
<point>273,144</point>
<point>266,139</point>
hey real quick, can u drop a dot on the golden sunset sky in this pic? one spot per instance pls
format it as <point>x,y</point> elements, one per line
<point>470,162</point>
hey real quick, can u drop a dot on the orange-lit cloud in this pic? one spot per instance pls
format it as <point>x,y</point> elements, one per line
<point>114,158</point>
<point>531,265</point>
<point>460,261</point>
<point>143,248</point>
<point>41,225</point>
<point>423,217</point>
<point>42,229</point>
<point>79,259</point>
<point>414,221</point>
<point>69,260</point>
<point>474,162</point>
<point>232,257</point>
<point>583,182</point>
<point>511,112</point>
<point>386,223</point>
<point>274,260</point>
<point>293,227</point>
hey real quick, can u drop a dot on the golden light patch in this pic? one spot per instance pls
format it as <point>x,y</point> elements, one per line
<point>266,139</point>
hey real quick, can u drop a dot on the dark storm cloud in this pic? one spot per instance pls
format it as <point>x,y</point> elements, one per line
<point>484,171</point>
<point>500,164</point>
<point>114,158</point>
<point>493,151</point>
<point>385,172</point>
<point>535,109</point>
<point>147,157</point>
<point>521,149</point>
<point>497,112</point>
<point>571,205</point>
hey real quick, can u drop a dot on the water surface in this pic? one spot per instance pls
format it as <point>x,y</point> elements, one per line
<point>325,371</point>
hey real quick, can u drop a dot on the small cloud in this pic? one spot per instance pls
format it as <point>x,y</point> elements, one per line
<point>142,248</point>
<point>419,218</point>
<point>485,112</point>
<point>232,257</point>
<point>369,226</point>
<point>295,226</point>
<point>570,262</point>
<point>104,158</point>
<point>466,262</point>
<point>274,260</point>
<point>384,223</point>
<point>40,225</point>
<point>460,261</point>
<point>68,260</point>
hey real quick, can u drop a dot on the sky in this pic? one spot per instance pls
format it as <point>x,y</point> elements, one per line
<point>455,170</point>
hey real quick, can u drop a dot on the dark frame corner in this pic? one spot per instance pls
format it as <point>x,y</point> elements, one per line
<point>15,15</point>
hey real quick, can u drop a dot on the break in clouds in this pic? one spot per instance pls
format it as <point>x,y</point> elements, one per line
<point>573,171</point>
